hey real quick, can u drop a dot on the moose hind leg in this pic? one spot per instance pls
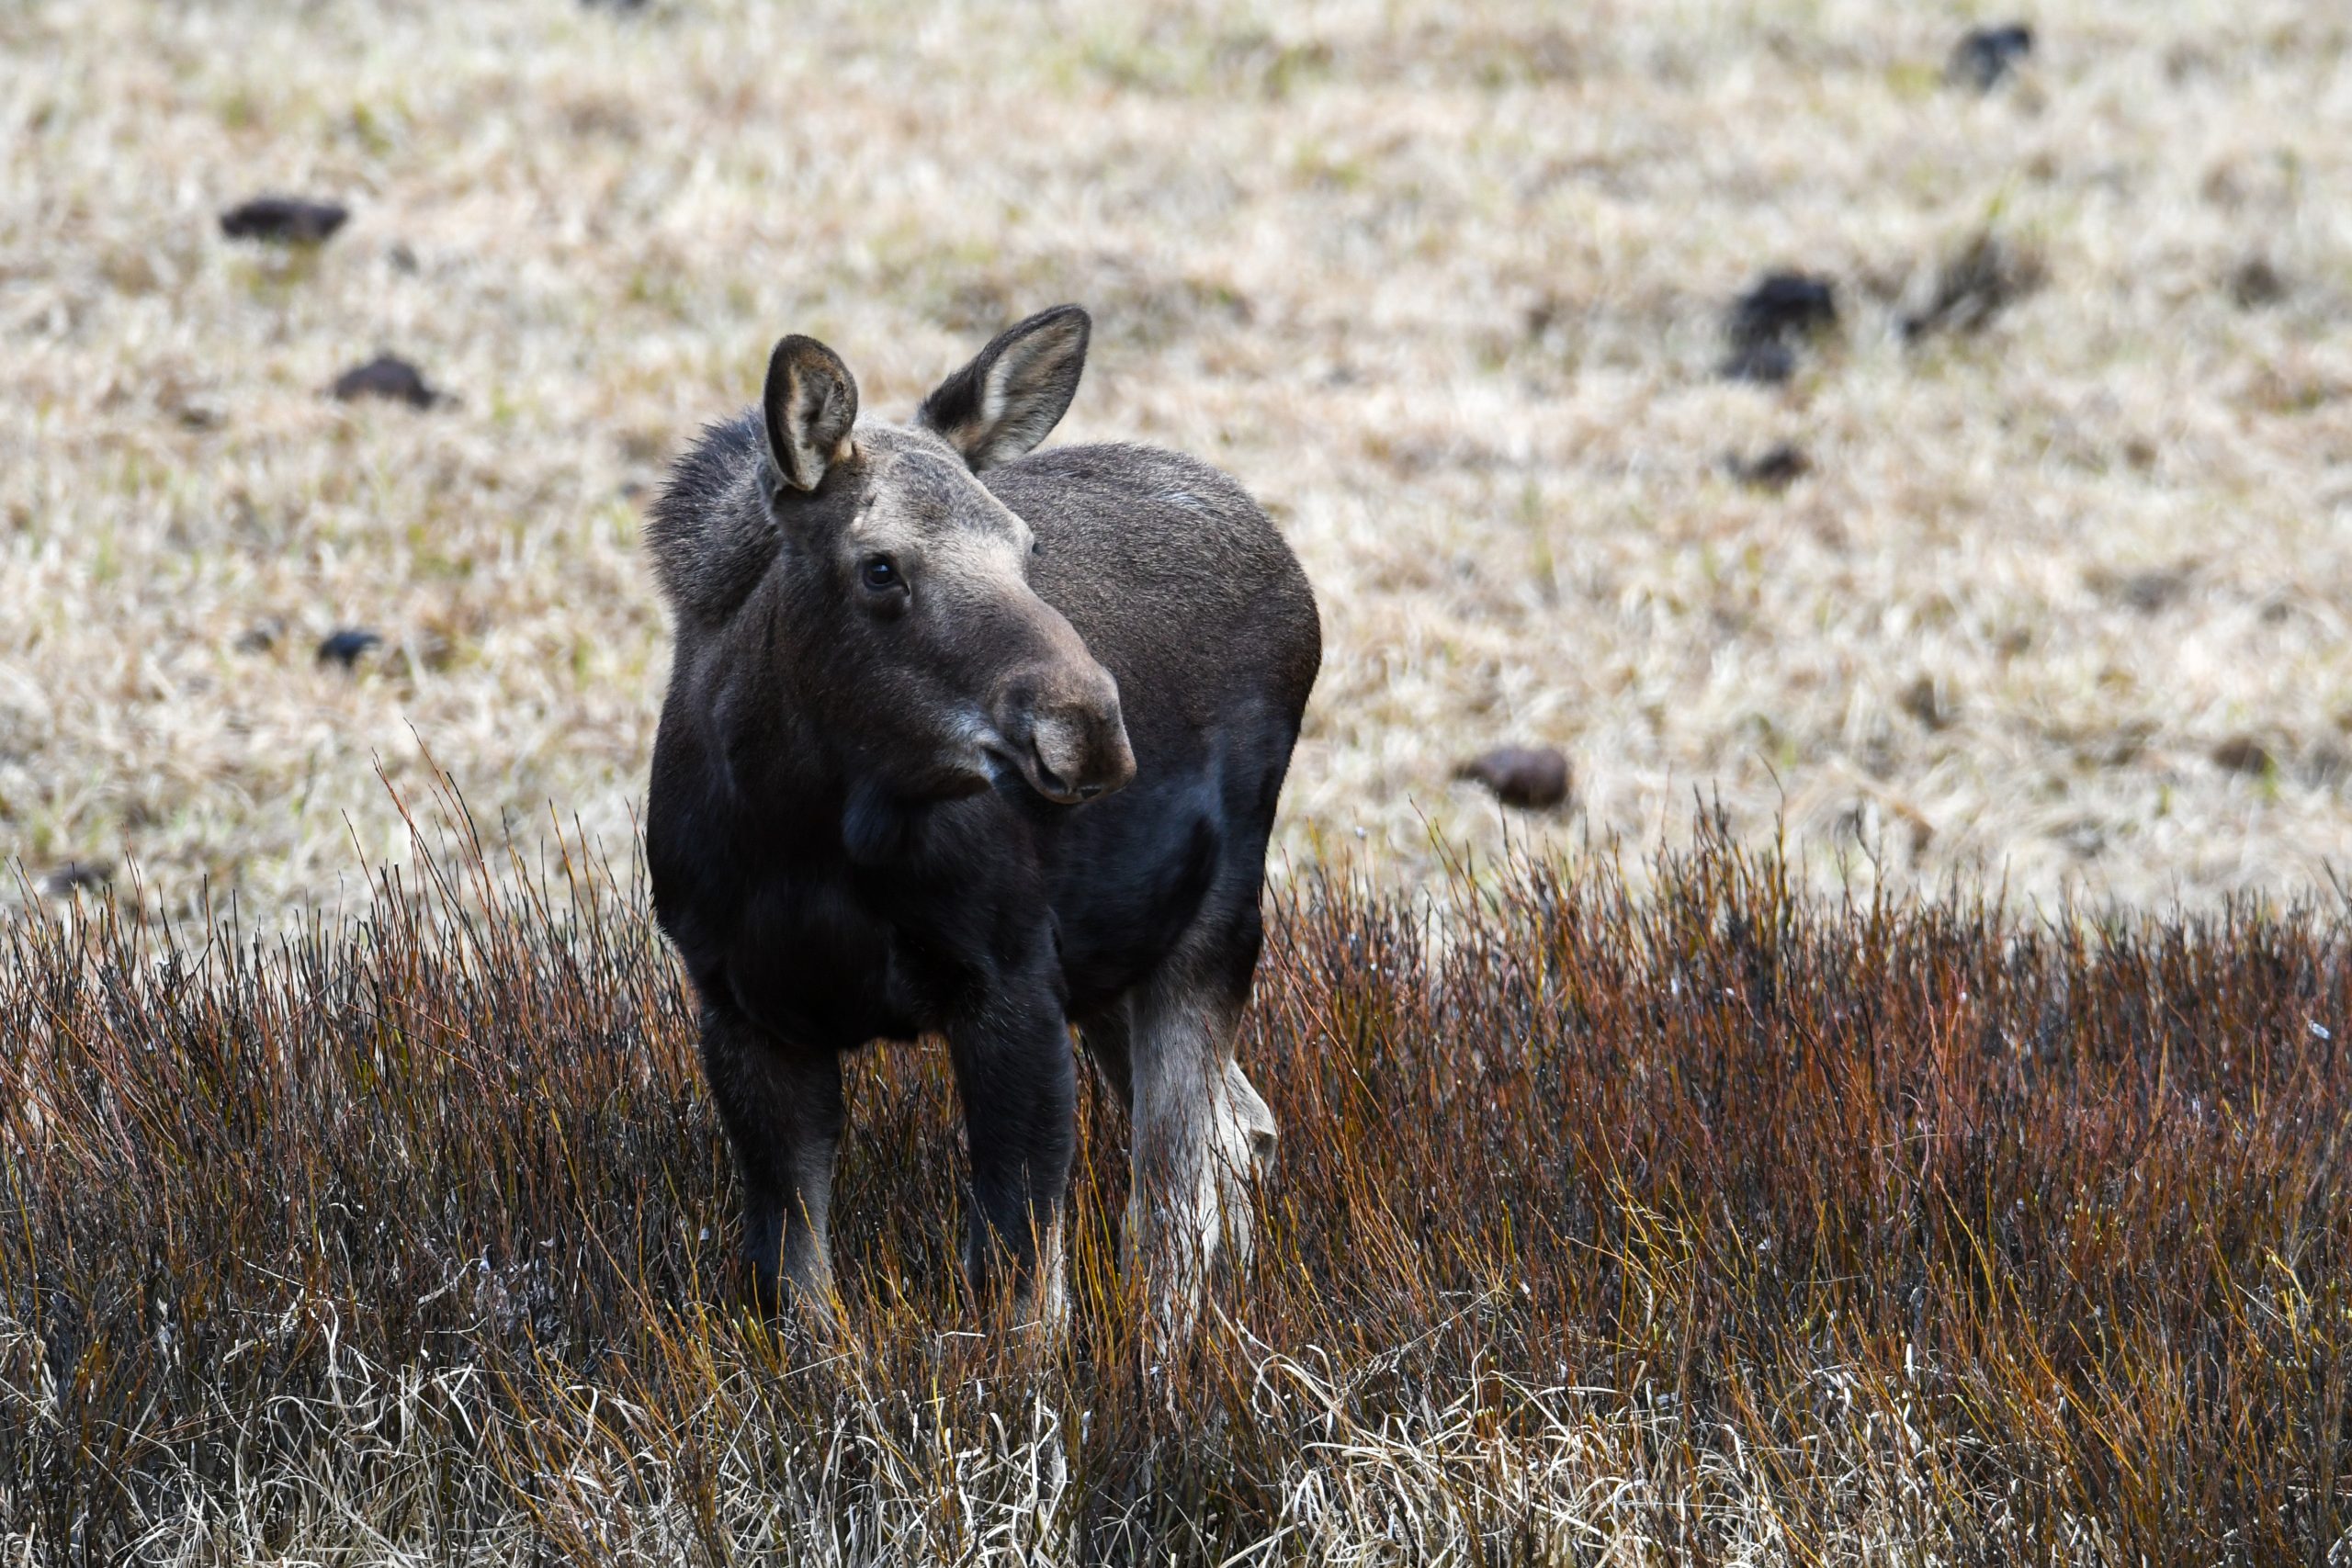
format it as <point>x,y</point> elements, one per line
<point>1201,1134</point>
<point>783,1110</point>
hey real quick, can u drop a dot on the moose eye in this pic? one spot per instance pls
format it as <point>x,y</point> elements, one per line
<point>880,575</point>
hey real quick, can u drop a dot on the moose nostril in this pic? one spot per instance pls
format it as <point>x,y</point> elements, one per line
<point>1088,792</point>
<point>1047,775</point>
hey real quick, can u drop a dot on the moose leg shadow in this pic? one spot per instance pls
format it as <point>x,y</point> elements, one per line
<point>1019,1086</point>
<point>783,1109</point>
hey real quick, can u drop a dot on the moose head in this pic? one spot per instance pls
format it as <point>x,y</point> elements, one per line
<point>912,632</point>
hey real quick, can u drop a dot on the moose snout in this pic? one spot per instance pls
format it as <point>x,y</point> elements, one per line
<point>1065,734</point>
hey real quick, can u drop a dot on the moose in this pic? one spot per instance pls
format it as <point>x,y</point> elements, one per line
<point>970,741</point>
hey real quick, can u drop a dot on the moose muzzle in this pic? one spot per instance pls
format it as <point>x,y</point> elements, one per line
<point>1061,729</point>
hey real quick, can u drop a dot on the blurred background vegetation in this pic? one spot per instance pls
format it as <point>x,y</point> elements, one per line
<point>2028,557</point>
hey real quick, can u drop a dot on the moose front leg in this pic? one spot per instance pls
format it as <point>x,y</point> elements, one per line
<point>783,1110</point>
<point>1014,1073</point>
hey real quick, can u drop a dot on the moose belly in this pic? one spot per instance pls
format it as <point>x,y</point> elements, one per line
<point>1129,877</point>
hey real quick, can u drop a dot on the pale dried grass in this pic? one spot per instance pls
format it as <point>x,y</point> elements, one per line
<point>1440,282</point>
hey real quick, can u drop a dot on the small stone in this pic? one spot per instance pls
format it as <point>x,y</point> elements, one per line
<point>284,219</point>
<point>1985,55</point>
<point>1765,323</point>
<point>2244,754</point>
<point>1768,363</point>
<point>76,876</point>
<point>344,646</point>
<point>1784,304</point>
<point>2255,283</point>
<point>1534,778</point>
<point>1776,469</point>
<point>385,377</point>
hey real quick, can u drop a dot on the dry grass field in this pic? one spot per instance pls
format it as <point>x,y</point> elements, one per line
<point>2061,599</point>
<point>1710,1225</point>
<point>1767,1181</point>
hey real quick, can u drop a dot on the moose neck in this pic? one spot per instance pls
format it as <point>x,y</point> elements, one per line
<point>814,805</point>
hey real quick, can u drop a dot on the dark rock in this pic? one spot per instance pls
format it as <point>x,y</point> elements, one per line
<point>1765,324</point>
<point>1534,777</point>
<point>1988,54</point>
<point>2255,283</point>
<point>2244,754</point>
<point>1973,286</point>
<point>75,876</point>
<point>385,377</point>
<point>1776,469</point>
<point>1784,304</point>
<point>284,219</point>
<point>344,646</point>
<point>1769,363</point>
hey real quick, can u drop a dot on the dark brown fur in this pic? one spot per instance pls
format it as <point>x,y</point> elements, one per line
<point>873,810</point>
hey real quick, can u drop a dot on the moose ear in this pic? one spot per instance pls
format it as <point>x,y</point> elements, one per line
<point>811,404</point>
<point>1006,401</point>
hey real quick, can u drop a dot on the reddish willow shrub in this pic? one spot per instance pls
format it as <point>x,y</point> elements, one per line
<point>1701,1218</point>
